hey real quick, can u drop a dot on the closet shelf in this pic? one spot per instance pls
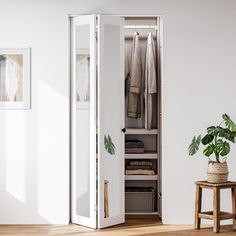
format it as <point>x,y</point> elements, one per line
<point>141,177</point>
<point>140,131</point>
<point>142,156</point>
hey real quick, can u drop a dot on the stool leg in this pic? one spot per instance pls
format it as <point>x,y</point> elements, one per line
<point>233,191</point>
<point>216,210</point>
<point>198,206</point>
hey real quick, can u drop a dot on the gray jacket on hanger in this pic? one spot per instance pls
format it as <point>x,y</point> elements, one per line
<point>134,103</point>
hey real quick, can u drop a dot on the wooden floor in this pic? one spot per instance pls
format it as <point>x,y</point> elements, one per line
<point>133,226</point>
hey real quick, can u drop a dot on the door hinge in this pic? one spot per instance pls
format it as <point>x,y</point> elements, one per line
<point>96,35</point>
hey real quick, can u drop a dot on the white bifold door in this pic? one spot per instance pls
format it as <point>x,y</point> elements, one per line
<point>97,119</point>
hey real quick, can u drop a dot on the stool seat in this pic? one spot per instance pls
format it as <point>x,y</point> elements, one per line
<point>219,185</point>
<point>216,215</point>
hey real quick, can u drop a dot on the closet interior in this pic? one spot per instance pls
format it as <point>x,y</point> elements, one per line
<point>142,136</point>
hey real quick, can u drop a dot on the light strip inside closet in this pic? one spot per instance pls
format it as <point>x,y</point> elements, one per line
<point>141,27</point>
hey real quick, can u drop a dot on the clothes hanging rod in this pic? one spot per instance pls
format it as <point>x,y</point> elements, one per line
<point>141,27</point>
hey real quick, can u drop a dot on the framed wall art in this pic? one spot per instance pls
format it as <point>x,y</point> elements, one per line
<point>15,78</point>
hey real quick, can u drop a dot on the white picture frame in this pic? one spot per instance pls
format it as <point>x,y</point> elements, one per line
<point>15,81</point>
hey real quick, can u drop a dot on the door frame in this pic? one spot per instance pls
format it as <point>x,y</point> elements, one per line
<point>160,84</point>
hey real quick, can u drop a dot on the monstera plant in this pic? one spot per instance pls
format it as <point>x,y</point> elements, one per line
<point>216,143</point>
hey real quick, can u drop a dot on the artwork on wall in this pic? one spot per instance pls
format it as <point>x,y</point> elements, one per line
<point>15,78</point>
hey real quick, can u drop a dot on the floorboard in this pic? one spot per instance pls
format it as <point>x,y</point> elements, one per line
<point>139,226</point>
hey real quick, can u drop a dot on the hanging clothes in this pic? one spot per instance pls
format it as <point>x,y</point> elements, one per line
<point>150,78</point>
<point>127,73</point>
<point>127,69</point>
<point>82,78</point>
<point>134,96</point>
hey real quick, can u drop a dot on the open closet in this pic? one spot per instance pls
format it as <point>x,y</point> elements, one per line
<point>115,118</point>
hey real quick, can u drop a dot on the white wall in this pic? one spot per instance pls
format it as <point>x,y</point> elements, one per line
<point>34,144</point>
<point>198,86</point>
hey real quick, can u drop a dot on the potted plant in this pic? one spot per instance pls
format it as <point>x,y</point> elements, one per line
<point>217,142</point>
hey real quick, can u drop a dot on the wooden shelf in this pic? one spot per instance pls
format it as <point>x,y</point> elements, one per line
<point>141,177</point>
<point>142,156</point>
<point>140,131</point>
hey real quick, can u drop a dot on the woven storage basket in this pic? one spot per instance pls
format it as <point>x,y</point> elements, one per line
<point>217,172</point>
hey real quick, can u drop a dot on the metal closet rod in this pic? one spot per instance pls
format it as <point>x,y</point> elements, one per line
<point>141,27</point>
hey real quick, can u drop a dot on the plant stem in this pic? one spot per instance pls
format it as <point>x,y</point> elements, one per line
<point>221,123</point>
<point>216,153</point>
<point>213,147</point>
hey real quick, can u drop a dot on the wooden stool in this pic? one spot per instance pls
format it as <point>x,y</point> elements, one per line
<point>216,215</point>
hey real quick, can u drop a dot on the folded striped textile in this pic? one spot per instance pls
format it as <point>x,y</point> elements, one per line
<point>140,163</point>
<point>134,150</point>
<point>140,172</point>
<point>138,167</point>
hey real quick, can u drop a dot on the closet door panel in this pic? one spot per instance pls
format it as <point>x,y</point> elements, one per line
<point>110,121</point>
<point>83,111</point>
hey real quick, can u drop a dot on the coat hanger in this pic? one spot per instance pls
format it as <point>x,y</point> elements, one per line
<point>135,28</point>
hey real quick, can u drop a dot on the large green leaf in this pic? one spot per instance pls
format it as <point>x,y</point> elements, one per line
<point>219,130</point>
<point>211,130</point>
<point>222,147</point>
<point>207,139</point>
<point>215,130</point>
<point>222,132</point>
<point>227,134</point>
<point>229,123</point>
<point>225,151</point>
<point>194,146</point>
<point>109,145</point>
<point>208,151</point>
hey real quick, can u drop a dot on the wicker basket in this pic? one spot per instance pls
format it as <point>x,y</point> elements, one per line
<point>217,172</point>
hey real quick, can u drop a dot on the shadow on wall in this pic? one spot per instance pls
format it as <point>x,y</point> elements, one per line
<point>19,168</point>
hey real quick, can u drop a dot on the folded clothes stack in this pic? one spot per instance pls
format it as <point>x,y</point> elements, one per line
<point>139,168</point>
<point>134,147</point>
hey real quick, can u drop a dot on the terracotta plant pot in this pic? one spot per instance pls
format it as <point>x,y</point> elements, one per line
<point>217,172</point>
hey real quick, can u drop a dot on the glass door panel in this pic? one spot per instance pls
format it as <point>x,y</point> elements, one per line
<point>110,120</point>
<point>83,197</point>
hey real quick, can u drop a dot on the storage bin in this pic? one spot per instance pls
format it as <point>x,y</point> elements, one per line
<point>139,201</point>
